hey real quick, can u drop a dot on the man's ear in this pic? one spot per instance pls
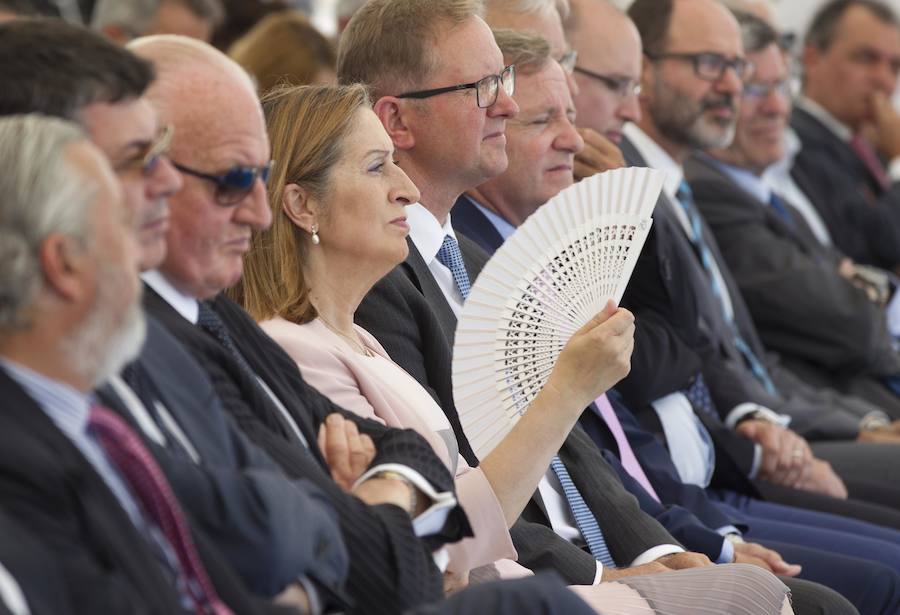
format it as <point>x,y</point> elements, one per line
<point>63,261</point>
<point>810,57</point>
<point>646,78</point>
<point>298,205</point>
<point>394,115</point>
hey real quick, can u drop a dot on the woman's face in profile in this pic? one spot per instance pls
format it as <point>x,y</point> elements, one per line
<point>365,213</point>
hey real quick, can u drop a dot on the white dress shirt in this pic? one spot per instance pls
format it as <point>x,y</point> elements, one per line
<point>11,594</point>
<point>657,158</point>
<point>778,177</point>
<point>428,234</point>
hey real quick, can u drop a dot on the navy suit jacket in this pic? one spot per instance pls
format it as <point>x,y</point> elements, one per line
<point>678,520</point>
<point>270,528</point>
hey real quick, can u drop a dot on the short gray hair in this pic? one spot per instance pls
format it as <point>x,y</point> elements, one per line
<point>40,194</point>
<point>133,16</point>
<point>528,7</point>
<point>530,52</point>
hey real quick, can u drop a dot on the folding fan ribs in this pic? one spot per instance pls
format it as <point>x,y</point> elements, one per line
<point>550,277</point>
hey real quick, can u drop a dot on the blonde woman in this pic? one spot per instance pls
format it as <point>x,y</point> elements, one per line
<point>338,201</point>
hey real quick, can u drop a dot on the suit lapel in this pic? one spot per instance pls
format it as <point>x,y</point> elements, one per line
<point>66,482</point>
<point>417,270</point>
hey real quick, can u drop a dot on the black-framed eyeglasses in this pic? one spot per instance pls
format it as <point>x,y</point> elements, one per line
<point>486,89</point>
<point>155,150</point>
<point>760,90</point>
<point>710,66</point>
<point>568,61</point>
<point>623,87</point>
<point>233,185</point>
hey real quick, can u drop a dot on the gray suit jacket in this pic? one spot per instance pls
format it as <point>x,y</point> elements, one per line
<point>670,280</point>
<point>801,306</point>
<point>407,312</point>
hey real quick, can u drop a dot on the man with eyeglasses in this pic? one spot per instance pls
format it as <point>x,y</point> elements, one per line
<point>776,261</point>
<point>680,112</point>
<point>546,17</point>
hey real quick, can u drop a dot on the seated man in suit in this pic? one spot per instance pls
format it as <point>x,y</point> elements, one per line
<point>546,18</point>
<point>277,410</point>
<point>412,310</point>
<point>803,305</point>
<point>610,50</point>
<point>268,525</point>
<point>541,144</point>
<point>741,377</point>
<point>848,127</point>
<point>72,471</point>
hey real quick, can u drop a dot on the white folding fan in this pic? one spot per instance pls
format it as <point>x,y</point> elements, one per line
<point>547,280</point>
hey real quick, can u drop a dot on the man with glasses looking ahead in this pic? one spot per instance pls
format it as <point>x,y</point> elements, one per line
<point>690,87</point>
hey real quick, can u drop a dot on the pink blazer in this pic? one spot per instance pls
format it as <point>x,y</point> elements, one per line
<point>377,388</point>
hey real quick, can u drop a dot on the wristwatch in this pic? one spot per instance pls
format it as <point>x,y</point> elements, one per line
<point>413,490</point>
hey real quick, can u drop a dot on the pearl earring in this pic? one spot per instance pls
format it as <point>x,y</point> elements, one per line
<point>314,231</point>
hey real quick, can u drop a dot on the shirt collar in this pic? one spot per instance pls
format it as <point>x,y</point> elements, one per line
<point>426,232</point>
<point>66,406</point>
<point>656,158</point>
<point>185,305</point>
<point>841,130</point>
<point>747,181</point>
<point>504,228</point>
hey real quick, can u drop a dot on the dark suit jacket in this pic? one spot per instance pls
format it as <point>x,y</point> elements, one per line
<point>401,311</point>
<point>863,219</point>
<point>271,529</point>
<point>670,281</point>
<point>108,566</point>
<point>656,344</point>
<point>32,565</point>
<point>390,568</point>
<point>800,305</point>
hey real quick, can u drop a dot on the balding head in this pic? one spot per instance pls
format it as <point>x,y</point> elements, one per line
<point>609,66</point>
<point>761,8</point>
<point>219,130</point>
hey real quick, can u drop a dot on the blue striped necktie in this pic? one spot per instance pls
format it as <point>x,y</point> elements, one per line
<point>584,518</point>
<point>450,256</point>
<point>685,198</point>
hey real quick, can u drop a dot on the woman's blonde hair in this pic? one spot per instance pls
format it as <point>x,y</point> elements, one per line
<point>308,127</point>
<point>284,49</point>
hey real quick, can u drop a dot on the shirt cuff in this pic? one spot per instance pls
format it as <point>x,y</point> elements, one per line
<point>742,410</point>
<point>651,555</point>
<point>599,574</point>
<point>757,462</point>
<point>893,169</point>
<point>432,519</point>
<point>441,558</point>
<point>727,554</point>
<point>312,595</point>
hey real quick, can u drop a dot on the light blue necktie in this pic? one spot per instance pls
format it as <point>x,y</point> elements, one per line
<point>685,198</point>
<point>450,256</point>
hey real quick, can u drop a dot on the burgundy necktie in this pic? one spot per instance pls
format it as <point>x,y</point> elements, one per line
<point>148,484</point>
<point>626,454</point>
<point>870,159</point>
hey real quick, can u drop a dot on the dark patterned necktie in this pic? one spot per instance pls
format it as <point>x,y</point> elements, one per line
<point>685,198</point>
<point>210,322</point>
<point>126,451</point>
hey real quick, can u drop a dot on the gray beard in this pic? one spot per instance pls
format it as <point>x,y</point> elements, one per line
<point>106,341</point>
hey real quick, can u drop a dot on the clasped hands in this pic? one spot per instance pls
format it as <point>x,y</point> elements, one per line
<point>788,460</point>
